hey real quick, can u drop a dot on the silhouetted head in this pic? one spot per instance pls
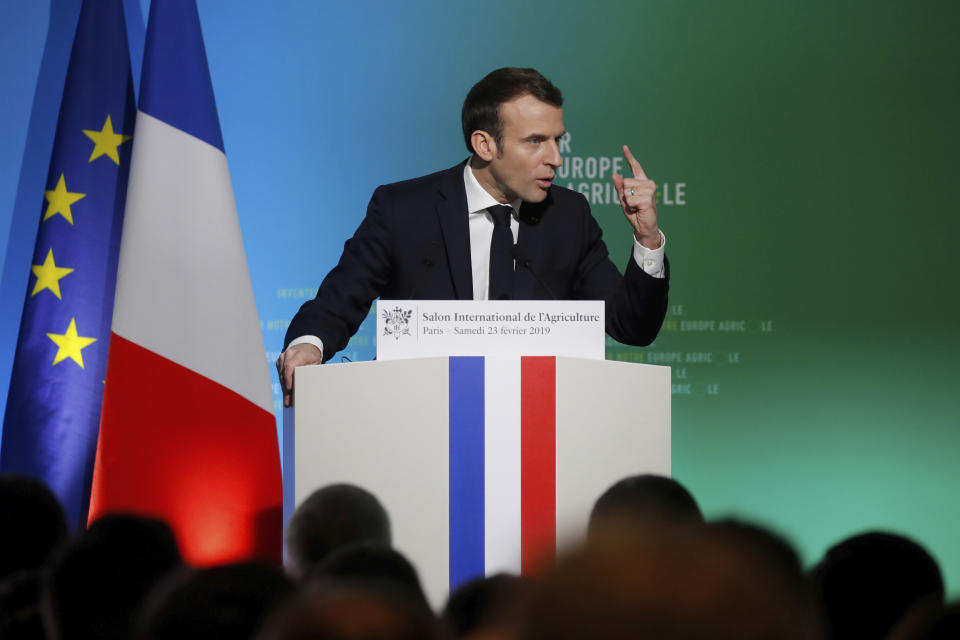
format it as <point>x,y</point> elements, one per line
<point>868,582</point>
<point>34,524</point>
<point>644,497</point>
<point>488,605</point>
<point>227,601</point>
<point>374,568</point>
<point>20,607</point>
<point>671,583</point>
<point>768,547</point>
<point>944,626</point>
<point>350,613</point>
<point>332,517</point>
<point>96,582</point>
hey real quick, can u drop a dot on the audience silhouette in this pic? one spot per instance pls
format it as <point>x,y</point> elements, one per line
<point>96,582</point>
<point>33,527</point>
<point>332,517</point>
<point>485,608</point>
<point>868,582</point>
<point>39,527</point>
<point>651,567</point>
<point>665,582</point>
<point>227,601</point>
<point>373,567</point>
<point>644,497</point>
<point>351,613</point>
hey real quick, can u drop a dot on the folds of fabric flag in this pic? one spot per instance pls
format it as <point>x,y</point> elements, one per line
<point>187,432</point>
<point>53,408</point>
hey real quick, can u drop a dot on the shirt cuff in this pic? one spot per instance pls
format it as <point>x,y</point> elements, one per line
<point>314,340</point>
<point>650,260</point>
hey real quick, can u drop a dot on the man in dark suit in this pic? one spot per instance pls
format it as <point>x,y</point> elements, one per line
<point>492,227</point>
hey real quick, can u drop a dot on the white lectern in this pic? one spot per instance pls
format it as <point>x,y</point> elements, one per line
<point>484,464</point>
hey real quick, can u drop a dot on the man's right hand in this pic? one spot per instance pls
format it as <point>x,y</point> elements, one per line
<point>296,356</point>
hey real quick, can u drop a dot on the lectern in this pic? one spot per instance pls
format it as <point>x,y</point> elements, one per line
<point>484,464</point>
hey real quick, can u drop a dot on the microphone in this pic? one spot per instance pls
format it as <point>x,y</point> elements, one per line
<point>524,261</point>
<point>427,263</point>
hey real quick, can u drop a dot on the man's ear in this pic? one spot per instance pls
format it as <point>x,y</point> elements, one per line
<point>483,145</point>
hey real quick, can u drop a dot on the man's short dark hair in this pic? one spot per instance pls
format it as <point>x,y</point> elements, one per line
<point>481,109</point>
<point>332,517</point>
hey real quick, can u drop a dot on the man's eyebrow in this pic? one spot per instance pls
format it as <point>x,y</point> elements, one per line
<point>544,136</point>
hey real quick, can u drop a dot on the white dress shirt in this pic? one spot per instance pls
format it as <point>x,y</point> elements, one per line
<point>481,234</point>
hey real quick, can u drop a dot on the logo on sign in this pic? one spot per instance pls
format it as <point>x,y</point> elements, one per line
<point>396,322</point>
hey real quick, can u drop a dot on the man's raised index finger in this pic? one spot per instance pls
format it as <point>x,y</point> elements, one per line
<point>634,165</point>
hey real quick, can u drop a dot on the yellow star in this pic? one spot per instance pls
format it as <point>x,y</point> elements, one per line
<point>70,344</point>
<point>106,142</point>
<point>48,276</point>
<point>60,200</point>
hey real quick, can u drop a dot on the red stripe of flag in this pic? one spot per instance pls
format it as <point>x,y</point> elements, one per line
<point>181,447</point>
<point>538,467</point>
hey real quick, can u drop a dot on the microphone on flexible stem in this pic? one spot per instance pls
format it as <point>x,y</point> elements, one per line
<point>427,262</point>
<point>524,261</point>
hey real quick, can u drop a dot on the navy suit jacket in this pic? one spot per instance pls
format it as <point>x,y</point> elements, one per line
<point>414,243</point>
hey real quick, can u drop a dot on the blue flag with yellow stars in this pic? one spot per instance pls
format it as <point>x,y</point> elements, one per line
<point>53,408</point>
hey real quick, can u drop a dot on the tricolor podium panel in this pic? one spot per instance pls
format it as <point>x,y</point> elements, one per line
<point>484,464</point>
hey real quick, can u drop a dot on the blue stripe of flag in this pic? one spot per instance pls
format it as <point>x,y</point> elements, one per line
<point>466,469</point>
<point>175,85</point>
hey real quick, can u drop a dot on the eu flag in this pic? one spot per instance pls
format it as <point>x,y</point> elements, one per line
<point>56,388</point>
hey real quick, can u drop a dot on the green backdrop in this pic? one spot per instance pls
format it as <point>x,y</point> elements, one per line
<point>812,260</point>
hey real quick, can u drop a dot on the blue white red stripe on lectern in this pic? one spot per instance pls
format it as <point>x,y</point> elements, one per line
<point>502,465</point>
<point>466,469</point>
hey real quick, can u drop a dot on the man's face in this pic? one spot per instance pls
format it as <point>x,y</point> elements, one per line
<point>526,162</point>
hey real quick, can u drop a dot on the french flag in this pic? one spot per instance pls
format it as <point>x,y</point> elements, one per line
<point>187,432</point>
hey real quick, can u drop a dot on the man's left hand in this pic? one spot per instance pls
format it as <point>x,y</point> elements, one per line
<point>638,199</point>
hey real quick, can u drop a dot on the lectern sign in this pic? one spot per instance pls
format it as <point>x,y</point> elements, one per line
<point>422,328</point>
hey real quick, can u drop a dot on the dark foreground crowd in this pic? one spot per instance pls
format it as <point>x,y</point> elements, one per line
<point>651,568</point>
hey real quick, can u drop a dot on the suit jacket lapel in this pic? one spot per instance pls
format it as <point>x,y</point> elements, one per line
<point>455,227</point>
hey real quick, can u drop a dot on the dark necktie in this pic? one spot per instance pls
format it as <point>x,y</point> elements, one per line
<point>501,262</point>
